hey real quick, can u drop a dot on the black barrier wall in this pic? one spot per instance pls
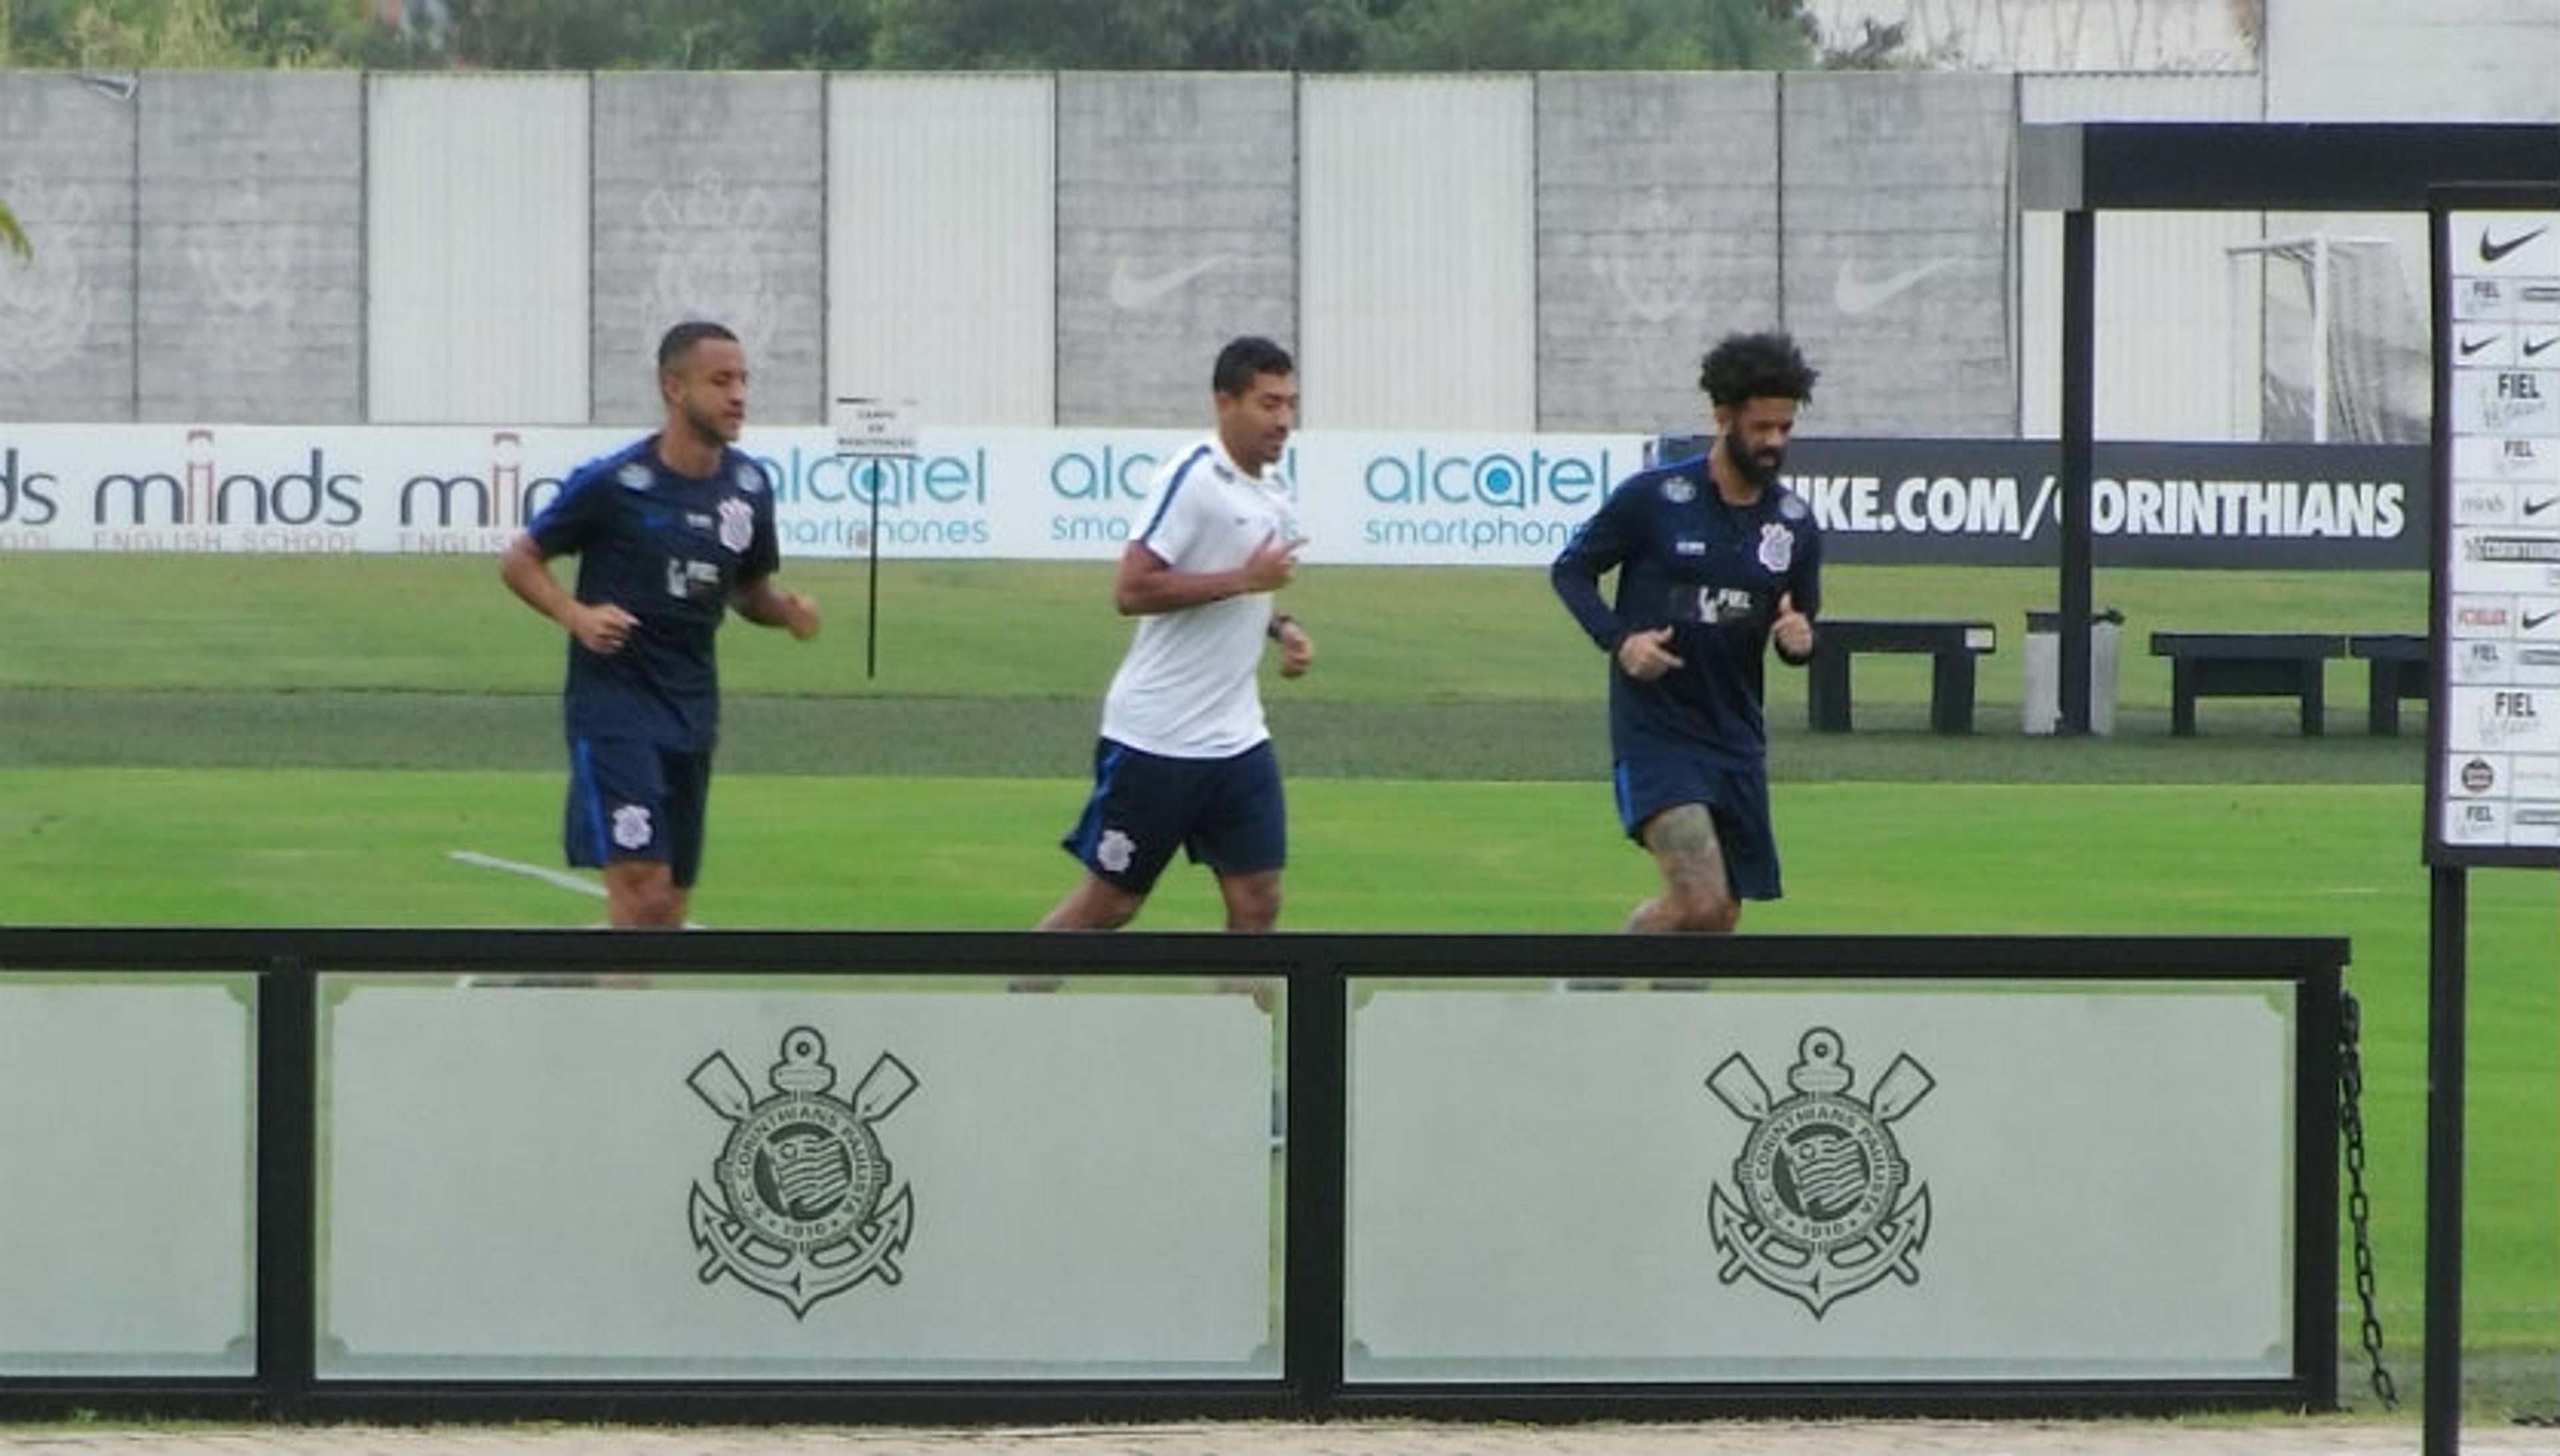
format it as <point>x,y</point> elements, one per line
<point>726,1176</point>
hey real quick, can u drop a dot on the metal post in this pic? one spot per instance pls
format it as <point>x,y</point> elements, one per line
<point>288,1236</point>
<point>1318,1012</point>
<point>2447,939</point>
<point>870,614</point>
<point>2078,464</point>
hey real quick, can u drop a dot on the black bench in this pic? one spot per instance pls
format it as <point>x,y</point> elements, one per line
<point>2397,665</point>
<point>1953,645</point>
<point>2246,664</point>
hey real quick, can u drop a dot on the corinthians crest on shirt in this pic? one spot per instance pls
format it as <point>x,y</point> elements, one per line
<point>736,524</point>
<point>802,1205</point>
<point>1823,1211</point>
<point>1777,548</point>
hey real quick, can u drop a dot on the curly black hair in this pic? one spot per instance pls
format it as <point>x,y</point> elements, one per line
<point>1764,365</point>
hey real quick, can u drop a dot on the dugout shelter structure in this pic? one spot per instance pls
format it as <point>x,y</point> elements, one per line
<point>2081,168</point>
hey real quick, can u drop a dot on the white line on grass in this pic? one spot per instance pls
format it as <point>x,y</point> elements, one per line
<point>560,878</point>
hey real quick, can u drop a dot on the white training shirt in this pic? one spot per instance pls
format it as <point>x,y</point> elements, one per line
<point>1186,689</point>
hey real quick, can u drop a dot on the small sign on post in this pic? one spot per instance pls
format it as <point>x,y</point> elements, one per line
<point>870,429</point>
<point>879,430</point>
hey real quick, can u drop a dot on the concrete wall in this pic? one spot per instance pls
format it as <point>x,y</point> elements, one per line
<point>251,286</point>
<point>1177,231</point>
<point>66,317</point>
<point>1490,252</point>
<point>1897,213</point>
<point>709,204</point>
<point>1657,209</point>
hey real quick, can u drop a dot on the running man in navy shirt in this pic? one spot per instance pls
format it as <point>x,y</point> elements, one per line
<point>671,533</point>
<point>1715,560</point>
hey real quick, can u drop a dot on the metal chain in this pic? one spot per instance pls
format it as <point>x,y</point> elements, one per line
<point>2359,1208</point>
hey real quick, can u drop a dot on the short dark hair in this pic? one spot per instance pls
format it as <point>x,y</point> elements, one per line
<point>1245,358</point>
<point>680,341</point>
<point>1762,366</point>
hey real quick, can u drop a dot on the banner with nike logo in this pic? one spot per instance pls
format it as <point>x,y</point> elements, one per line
<point>2493,771</point>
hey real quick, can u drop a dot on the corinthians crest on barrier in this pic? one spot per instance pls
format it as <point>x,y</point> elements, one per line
<point>1822,1211</point>
<point>801,1205</point>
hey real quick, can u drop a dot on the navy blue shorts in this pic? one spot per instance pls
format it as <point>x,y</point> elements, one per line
<point>633,800</point>
<point>1736,798</point>
<point>1225,813</point>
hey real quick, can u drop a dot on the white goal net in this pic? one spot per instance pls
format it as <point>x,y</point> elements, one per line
<point>2346,346</point>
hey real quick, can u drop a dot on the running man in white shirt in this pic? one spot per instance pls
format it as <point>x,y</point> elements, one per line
<point>1184,759</point>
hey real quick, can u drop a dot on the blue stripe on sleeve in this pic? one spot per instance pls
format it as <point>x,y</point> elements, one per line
<point>1164,503</point>
<point>558,527</point>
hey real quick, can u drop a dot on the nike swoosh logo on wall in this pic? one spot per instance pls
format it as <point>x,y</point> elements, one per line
<point>2538,346</point>
<point>1132,291</point>
<point>2493,251</point>
<point>1854,294</point>
<point>2471,347</point>
<point>2536,507</point>
<point>2534,622</point>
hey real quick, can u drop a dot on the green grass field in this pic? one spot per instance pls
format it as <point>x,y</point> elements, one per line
<point>305,741</point>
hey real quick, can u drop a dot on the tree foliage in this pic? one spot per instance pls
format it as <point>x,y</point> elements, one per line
<point>187,35</point>
<point>930,34</point>
<point>1633,34</point>
<point>1121,35</point>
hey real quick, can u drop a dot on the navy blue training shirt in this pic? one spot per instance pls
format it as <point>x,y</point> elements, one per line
<point>1713,574</point>
<point>667,549</point>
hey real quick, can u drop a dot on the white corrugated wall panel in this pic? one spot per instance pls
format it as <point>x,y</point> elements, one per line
<point>2177,320</point>
<point>942,266</point>
<point>2127,96</point>
<point>1417,264</point>
<point>2413,59</point>
<point>476,245</point>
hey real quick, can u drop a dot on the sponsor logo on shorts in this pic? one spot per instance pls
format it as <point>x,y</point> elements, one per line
<point>631,827</point>
<point>1114,851</point>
